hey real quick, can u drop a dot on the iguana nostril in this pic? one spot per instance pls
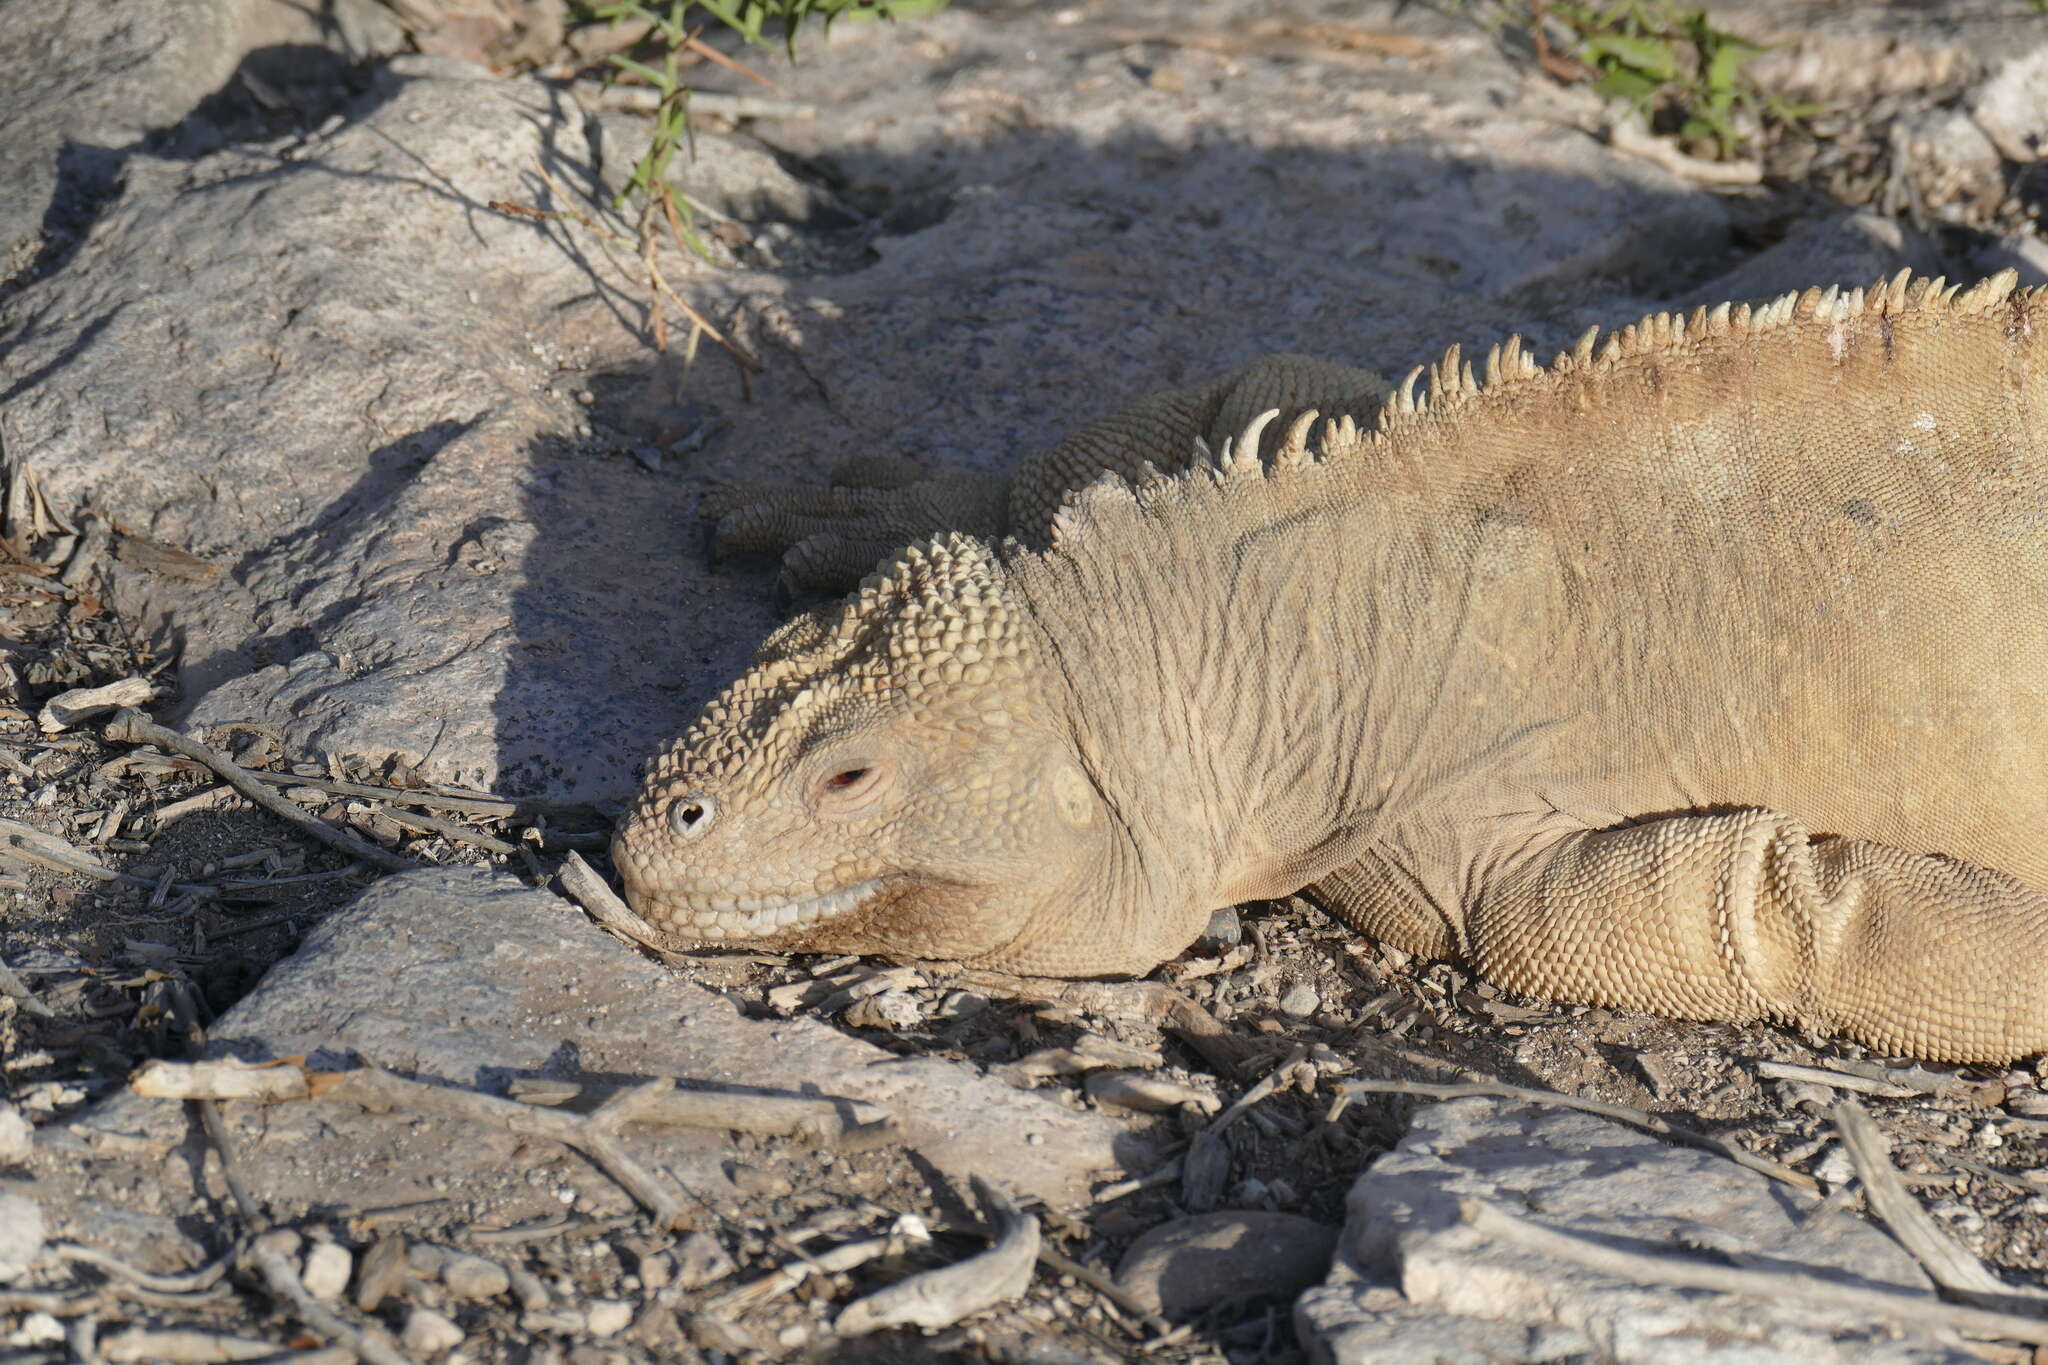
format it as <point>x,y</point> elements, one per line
<point>691,816</point>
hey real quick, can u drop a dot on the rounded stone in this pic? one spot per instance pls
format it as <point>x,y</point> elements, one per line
<point>473,1277</point>
<point>1183,1266</point>
<point>429,1334</point>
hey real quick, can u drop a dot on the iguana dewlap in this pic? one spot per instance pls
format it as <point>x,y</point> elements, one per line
<point>1698,673</point>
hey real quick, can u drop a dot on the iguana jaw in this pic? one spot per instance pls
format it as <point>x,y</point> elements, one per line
<point>754,918</point>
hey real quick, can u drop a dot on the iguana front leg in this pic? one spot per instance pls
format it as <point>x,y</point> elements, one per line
<point>1745,916</point>
<point>830,537</point>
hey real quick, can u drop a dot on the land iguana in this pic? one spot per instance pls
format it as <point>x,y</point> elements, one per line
<point>1702,672</point>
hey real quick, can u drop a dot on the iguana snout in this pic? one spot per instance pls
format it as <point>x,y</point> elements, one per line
<point>895,774</point>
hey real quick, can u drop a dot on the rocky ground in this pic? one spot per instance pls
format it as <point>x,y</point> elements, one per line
<point>384,492</point>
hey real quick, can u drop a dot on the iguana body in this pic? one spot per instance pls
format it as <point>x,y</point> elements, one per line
<point>1701,675</point>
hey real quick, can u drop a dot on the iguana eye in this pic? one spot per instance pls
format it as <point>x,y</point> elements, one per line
<point>848,790</point>
<point>690,816</point>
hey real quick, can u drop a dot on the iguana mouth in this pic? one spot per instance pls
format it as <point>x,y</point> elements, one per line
<point>746,917</point>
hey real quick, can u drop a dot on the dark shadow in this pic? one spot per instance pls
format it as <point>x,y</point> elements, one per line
<point>275,91</point>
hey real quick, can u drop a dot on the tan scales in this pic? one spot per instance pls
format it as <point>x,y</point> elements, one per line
<point>1698,673</point>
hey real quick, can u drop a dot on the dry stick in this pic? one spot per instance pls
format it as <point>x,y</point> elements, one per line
<point>1814,1075</point>
<point>1914,1311</point>
<point>374,1088</point>
<point>1640,1118</point>
<point>580,882</point>
<point>449,829</point>
<point>1946,1261</point>
<point>284,1282</point>
<point>1107,1287</point>
<point>847,1125</point>
<point>13,986</point>
<point>942,1297</point>
<point>28,844</point>
<point>192,1281</point>
<point>1206,1164</point>
<point>132,727</point>
<point>489,807</point>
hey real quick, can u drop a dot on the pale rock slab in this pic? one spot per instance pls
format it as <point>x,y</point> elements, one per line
<point>469,978</point>
<point>1412,1281</point>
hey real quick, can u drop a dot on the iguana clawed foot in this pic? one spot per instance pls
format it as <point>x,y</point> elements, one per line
<point>829,538</point>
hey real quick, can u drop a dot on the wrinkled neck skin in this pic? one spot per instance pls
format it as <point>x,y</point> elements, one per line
<point>1235,693</point>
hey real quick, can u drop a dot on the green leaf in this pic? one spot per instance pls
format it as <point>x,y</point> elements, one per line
<point>1654,57</point>
<point>1623,84</point>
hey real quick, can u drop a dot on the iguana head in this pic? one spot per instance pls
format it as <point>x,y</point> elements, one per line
<point>897,773</point>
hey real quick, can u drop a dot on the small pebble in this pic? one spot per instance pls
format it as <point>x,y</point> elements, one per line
<point>608,1317</point>
<point>383,1271</point>
<point>17,1137</point>
<point>37,1329</point>
<point>752,1180</point>
<point>473,1277</point>
<point>428,1333</point>
<point>1225,930</point>
<point>1300,1001</point>
<point>700,1260</point>
<point>328,1266</point>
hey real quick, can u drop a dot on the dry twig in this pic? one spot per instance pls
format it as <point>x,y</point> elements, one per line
<point>942,1297</point>
<point>1947,1262</point>
<point>579,882</point>
<point>132,727</point>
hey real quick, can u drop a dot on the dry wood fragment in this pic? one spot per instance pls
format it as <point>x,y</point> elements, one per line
<point>448,829</point>
<point>182,1346</point>
<point>579,881</point>
<point>212,798</point>
<point>1787,1071</point>
<point>841,1123</point>
<point>12,985</point>
<point>266,1083</point>
<point>26,843</point>
<point>1919,1312</point>
<point>189,1282</point>
<point>1206,1166</point>
<point>132,727</point>
<point>942,1297</point>
<point>1947,1262</point>
<point>780,1281</point>
<point>67,709</point>
<point>1632,134</point>
<point>1692,1137</point>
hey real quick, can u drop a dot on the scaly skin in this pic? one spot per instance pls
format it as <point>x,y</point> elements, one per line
<point>1701,675</point>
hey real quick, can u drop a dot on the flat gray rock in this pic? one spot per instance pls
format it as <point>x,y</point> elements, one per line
<point>1187,1264</point>
<point>83,83</point>
<point>471,979</point>
<point>1412,1281</point>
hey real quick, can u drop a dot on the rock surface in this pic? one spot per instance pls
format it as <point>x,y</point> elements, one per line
<point>470,979</point>
<point>1413,1282</point>
<point>1189,1264</point>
